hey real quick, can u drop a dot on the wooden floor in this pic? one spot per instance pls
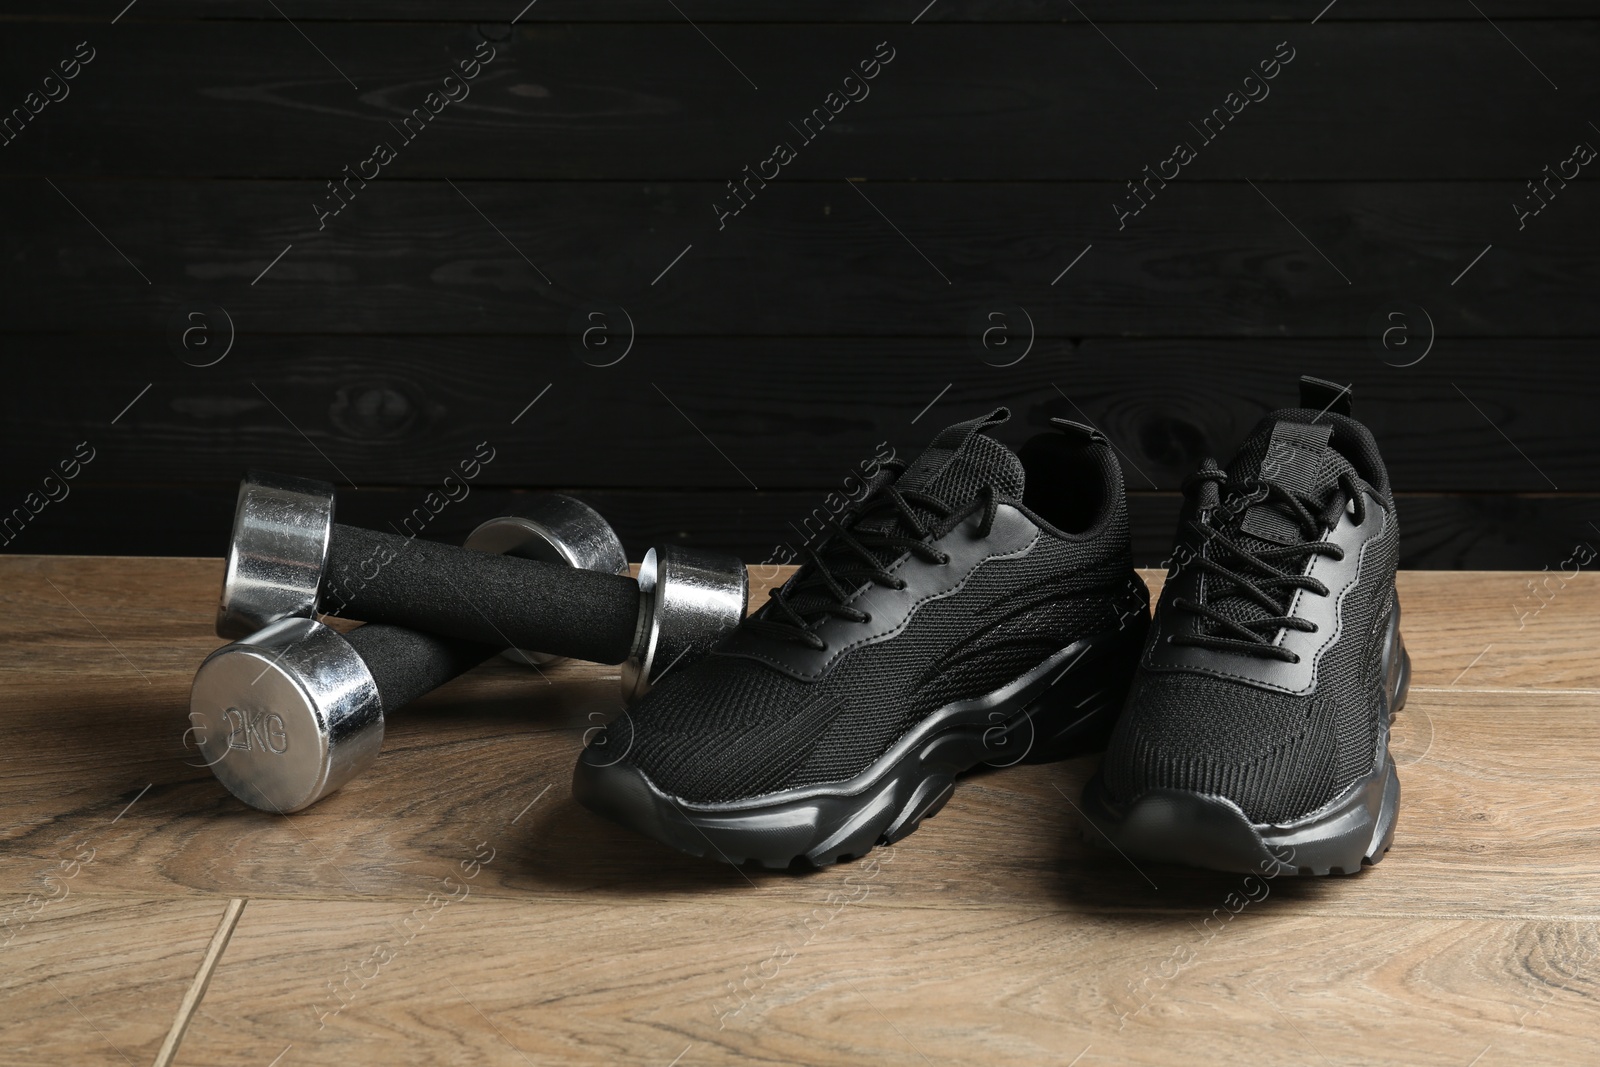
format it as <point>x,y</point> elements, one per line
<point>455,905</point>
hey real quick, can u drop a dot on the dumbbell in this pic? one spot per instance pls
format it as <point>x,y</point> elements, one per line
<point>289,714</point>
<point>288,558</point>
<point>556,529</point>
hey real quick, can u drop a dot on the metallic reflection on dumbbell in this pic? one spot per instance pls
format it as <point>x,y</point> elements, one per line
<point>290,714</point>
<point>685,606</point>
<point>282,527</point>
<point>555,529</point>
<point>693,597</point>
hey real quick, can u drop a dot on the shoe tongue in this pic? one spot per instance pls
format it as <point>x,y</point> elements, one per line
<point>961,460</point>
<point>1292,448</point>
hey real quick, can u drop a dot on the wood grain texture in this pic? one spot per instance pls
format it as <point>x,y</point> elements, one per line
<point>585,169</point>
<point>746,416</point>
<point>591,982</point>
<point>822,319</point>
<point>651,102</point>
<point>995,934</point>
<point>807,259</point>
<point>1480,837</point>
<point>94,979</point>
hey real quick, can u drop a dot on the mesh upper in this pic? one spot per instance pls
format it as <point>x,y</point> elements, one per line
<point>1276,755</point>
<point>1352,442</point>
<point>728,727</point>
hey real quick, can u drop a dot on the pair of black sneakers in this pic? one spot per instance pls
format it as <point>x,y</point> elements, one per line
<point>980,606</point>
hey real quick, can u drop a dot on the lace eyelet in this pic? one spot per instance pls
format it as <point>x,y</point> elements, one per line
<point>900,585</point>
<point>865,617</point>
<point>1314,628</point>
<point>1296,658</point>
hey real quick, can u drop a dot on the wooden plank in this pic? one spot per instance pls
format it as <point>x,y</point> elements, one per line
<point>1480,835</point>
<point>812,11</point>
<point>1168,404</point>
<point>94,980</point>
<point>1457,531</point>
<point>649,102</point>
<point>1487,531</point>
<point>809,259</point>
<point>598,981</point>
<point>747,416</point>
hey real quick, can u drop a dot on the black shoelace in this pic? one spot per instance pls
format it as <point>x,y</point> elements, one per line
<point>846,555</point>
<point>1254,573</point>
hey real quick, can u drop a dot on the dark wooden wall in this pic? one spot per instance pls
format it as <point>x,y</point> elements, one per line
<point>172,189</point>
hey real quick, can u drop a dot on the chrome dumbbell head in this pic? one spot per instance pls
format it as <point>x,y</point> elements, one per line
<point>555,529</point>
<point>282,527</point>
<point>287,715</point>
<point>290,714</point>
<point>688,600</point>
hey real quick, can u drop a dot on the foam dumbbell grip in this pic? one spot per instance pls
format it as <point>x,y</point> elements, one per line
<point>479,596</point>
<point>407,665</point>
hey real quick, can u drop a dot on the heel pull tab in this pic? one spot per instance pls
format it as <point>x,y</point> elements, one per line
<point>1079,432</point>
<point>1323,395</point>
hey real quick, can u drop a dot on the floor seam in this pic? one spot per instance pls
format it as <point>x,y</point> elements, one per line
<point>202,979</point>
<point>1516,692</point>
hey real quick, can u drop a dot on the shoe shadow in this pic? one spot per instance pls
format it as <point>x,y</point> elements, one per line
<point>570,849</point>
<point>1099,878</point>
<point>530,736</point>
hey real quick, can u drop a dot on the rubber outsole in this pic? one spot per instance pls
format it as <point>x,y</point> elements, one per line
<point>1065,707</point>
<point>1350,833</point>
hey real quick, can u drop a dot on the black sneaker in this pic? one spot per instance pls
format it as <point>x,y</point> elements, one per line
<point>977,606</point>
<point>1256,735</point>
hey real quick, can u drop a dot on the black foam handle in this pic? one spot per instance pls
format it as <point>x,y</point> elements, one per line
<point>405,664</point>
<point>501,601</point>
